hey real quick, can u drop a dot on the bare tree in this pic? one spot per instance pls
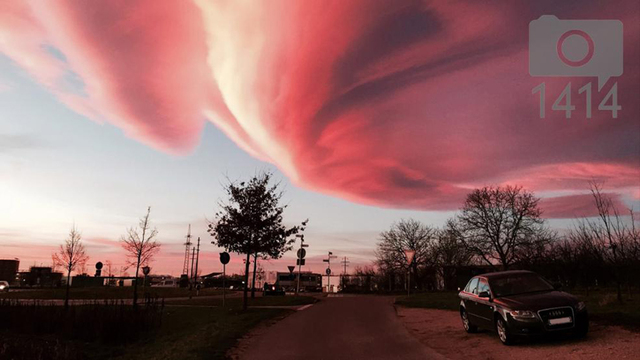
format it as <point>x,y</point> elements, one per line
<point>609,239</point>
<point>69,256</point>
<point>141,246</point>
<point>54,263</point>
<point>406,235</point>
<point>451,253</point>
<point>108,264</point>
<point>498,223</point>
<point>82,267</point>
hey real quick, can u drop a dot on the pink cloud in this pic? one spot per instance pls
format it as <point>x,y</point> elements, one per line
<point>400,105</point>
<point>576,206</point>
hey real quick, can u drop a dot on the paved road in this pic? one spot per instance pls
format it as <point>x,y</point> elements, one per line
<point>358,327</point>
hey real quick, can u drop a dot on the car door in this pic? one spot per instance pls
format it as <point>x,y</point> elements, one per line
<point>484,306</point>
<point>470,301</point>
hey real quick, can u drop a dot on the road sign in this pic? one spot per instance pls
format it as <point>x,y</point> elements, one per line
<point>300,261</point>
<point>291,268</point>
<point>224,258</point>
<point>98,265</point>
<point>304,245</point>
<point>146,270</point>
<point>325,260</point>
<point>409,254</point>
<point>302,253</point>
<point>328,271</point>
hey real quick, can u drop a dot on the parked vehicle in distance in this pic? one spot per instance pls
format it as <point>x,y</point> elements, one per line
<point>273,290</point>
<point>520,303</point>
<point>4,286</point>
<point>310,282</point>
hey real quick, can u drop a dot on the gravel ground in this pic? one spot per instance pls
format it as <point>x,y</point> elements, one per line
<point>442,331</point>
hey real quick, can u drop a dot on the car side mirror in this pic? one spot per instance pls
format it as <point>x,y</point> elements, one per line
<point>484,294</point>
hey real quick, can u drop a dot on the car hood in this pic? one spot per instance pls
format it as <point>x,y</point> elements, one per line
<point>537,301</point>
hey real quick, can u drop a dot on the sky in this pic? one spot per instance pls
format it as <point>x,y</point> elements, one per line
<point>366,111</point>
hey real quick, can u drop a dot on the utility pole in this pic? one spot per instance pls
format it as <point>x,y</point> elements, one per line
<point>345,263</point>
<point>193,257</point>
<point>195,277</point>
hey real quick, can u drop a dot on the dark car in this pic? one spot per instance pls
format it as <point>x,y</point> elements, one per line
<point>520,303</point>
<point>273,290</point>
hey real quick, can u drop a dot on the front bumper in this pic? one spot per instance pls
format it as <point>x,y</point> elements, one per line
<point>536,326</point>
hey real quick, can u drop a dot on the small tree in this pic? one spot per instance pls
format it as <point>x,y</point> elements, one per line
<point>69,256</point>
<point>499,223</point>
<point>251,222</point>
<point>141,246</point>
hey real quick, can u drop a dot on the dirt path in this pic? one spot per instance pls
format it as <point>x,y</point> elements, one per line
<point>442,331</point>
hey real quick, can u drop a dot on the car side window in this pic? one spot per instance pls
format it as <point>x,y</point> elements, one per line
<point>472,286</point>
<point>483,286</point>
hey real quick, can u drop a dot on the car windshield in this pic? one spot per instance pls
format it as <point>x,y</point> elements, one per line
<point>518,284</point>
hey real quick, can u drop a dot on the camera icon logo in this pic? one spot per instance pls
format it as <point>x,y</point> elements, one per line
<point>575,48</point>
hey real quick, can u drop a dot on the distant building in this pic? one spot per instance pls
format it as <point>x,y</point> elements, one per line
<point>9,270</point>
<point>39,276</point>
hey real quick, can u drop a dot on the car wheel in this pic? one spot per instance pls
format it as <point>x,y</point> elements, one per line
<point>468,326</point>
<point>503,332</point>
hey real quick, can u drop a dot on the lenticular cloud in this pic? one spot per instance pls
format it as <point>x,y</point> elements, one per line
<point>401,104</point>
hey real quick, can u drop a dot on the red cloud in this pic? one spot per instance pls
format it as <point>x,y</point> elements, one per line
<point>402,105</point>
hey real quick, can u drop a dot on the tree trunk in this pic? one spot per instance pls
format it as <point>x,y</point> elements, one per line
<point>253,281</point>
<point>66,296</point>
<point>246,281</point>
<point>135,285</point>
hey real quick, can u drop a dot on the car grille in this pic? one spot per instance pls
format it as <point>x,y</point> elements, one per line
<point>557,313</point>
